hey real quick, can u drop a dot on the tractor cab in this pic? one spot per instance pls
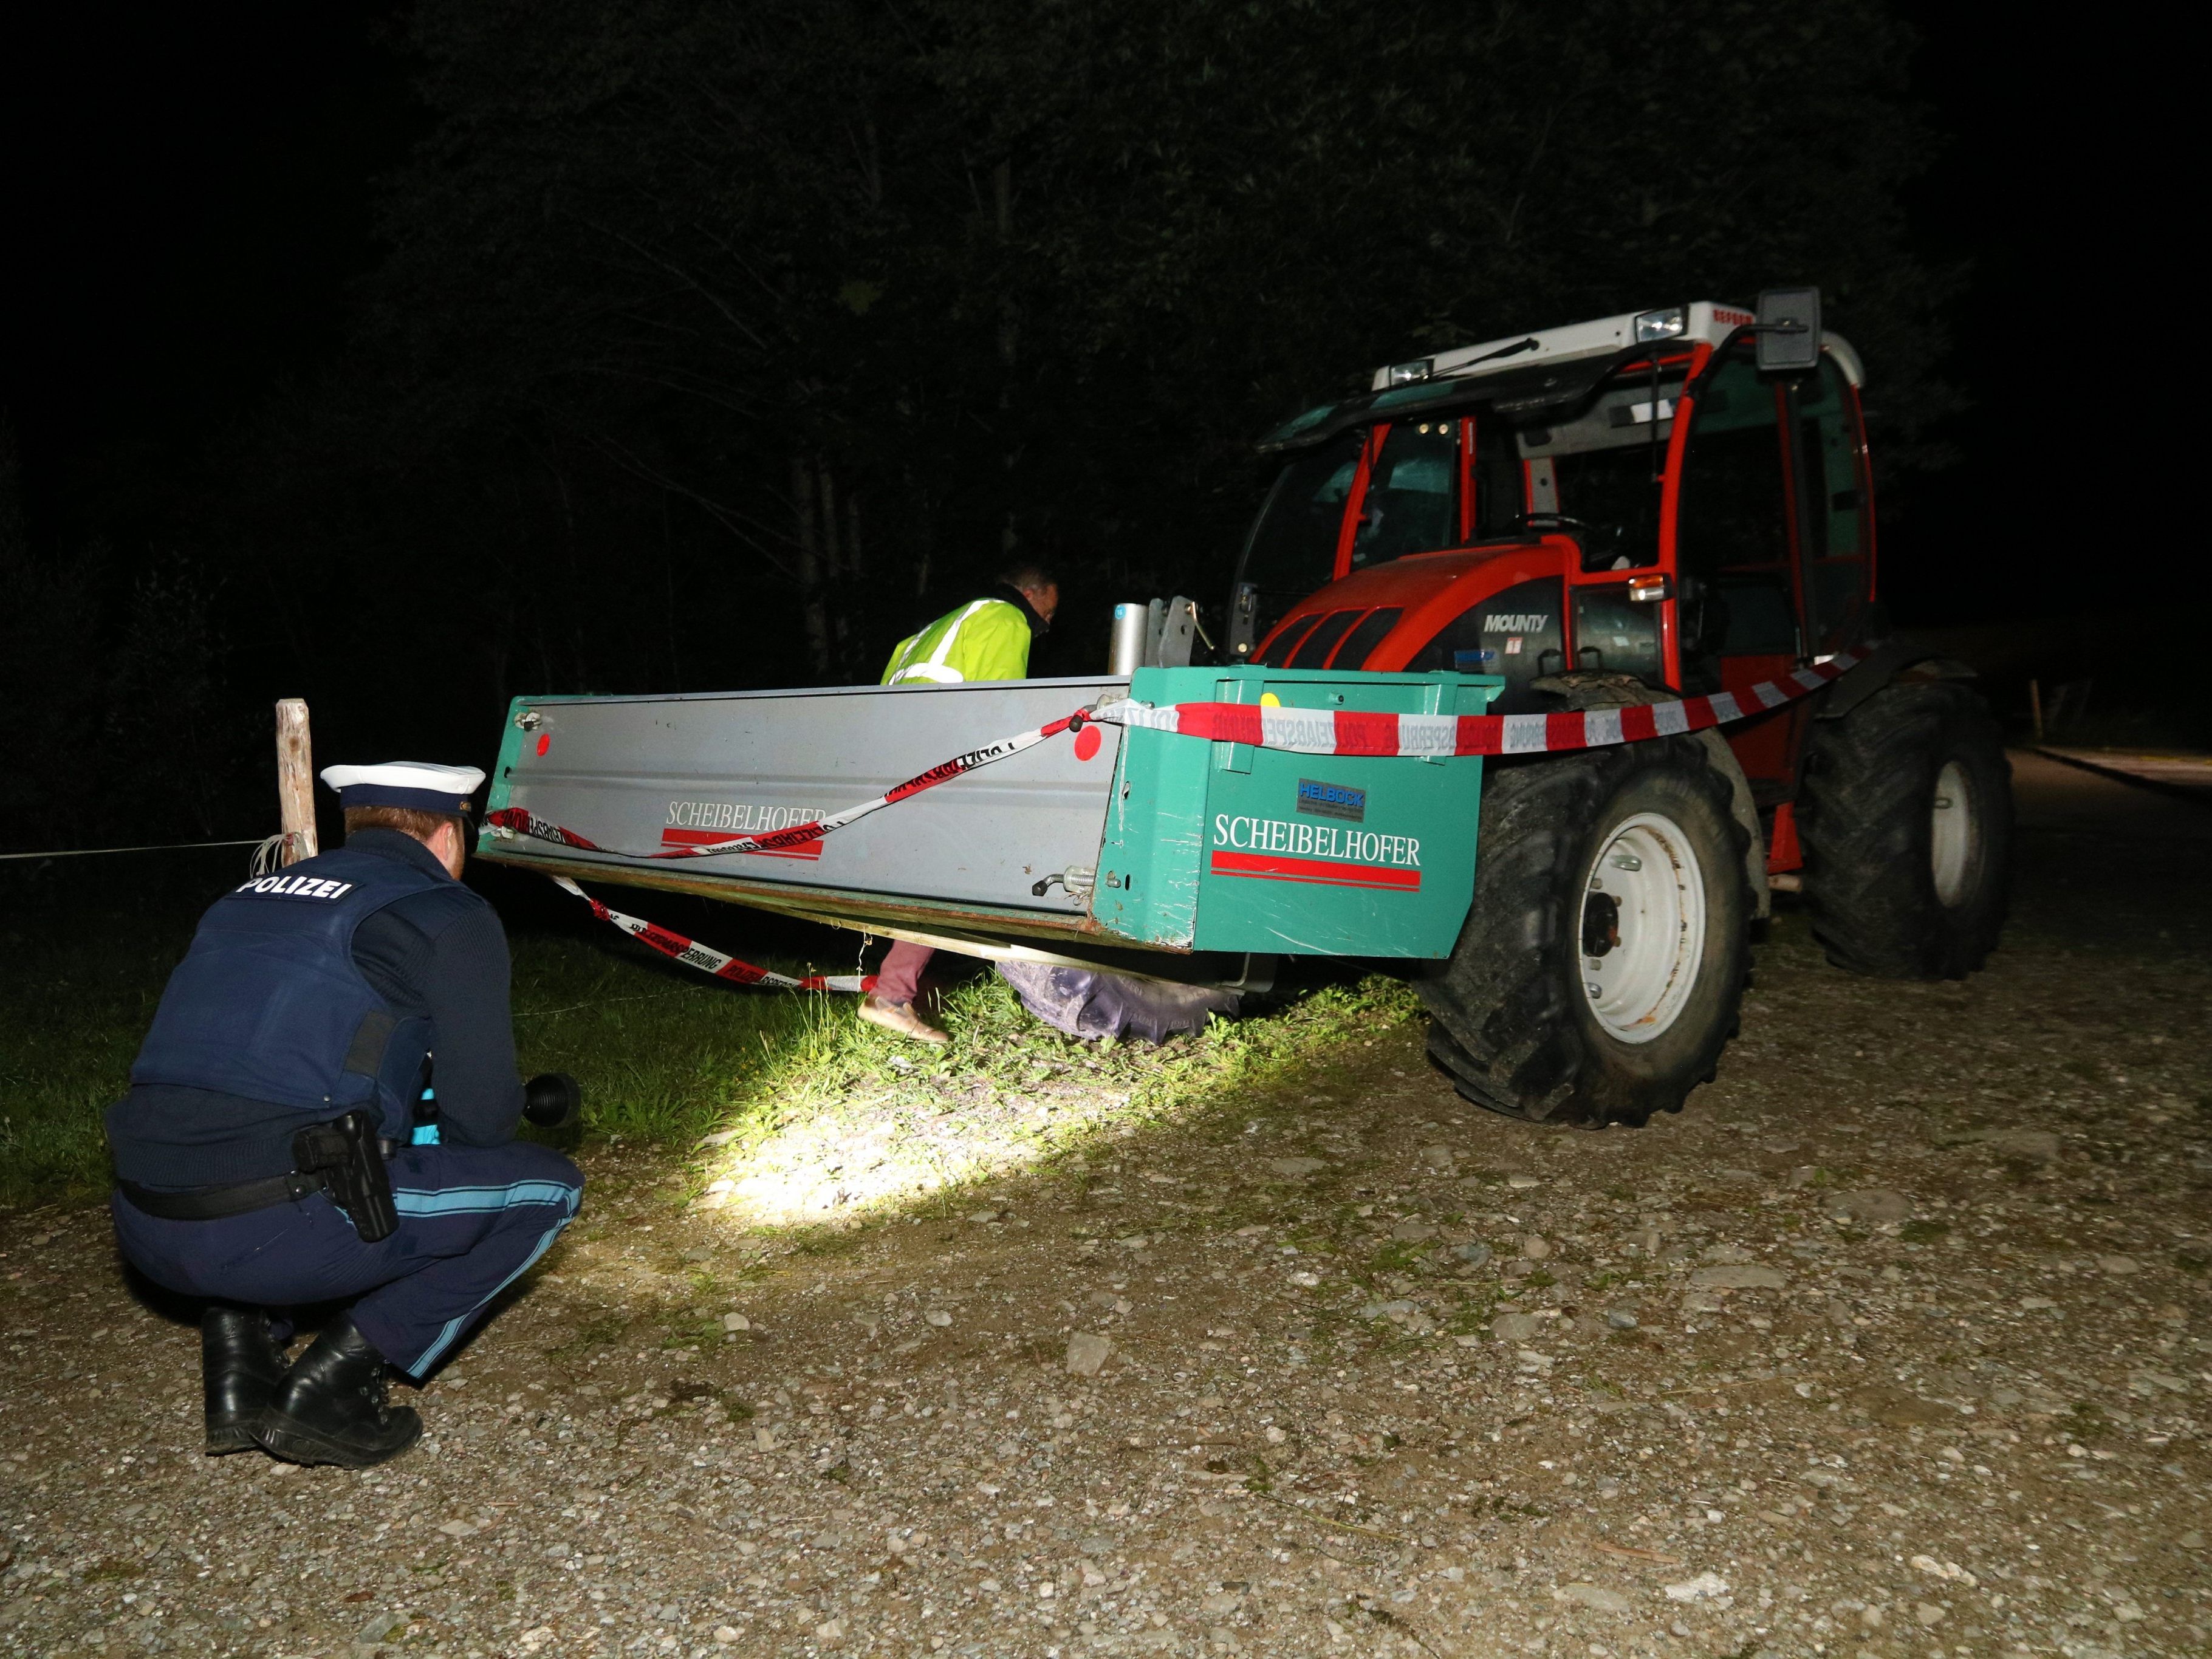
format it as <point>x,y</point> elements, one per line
<point>1680,495</point>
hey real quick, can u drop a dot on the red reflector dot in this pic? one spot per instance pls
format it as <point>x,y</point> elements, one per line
<point>544,741</point>
<point>1086,743</point>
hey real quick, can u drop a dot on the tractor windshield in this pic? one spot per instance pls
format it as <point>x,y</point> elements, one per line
<point>1291,551</point>
<point>1425,485</point>
<point>1432,480</point>
<point>1599,472</point>
<point>1413,485</point>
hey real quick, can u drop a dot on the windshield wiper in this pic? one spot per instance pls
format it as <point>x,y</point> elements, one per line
<point>1528,344</point>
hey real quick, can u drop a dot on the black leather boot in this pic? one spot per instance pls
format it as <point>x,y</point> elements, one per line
<point>331,1408</point>
<point>240,1365</point>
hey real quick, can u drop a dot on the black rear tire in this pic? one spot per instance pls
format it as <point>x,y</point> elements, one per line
<point>1906,816</point>
<point>1512,1021</point>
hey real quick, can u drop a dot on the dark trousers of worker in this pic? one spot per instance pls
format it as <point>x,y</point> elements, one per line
<point>472,1220</point>
<point>899,980</point>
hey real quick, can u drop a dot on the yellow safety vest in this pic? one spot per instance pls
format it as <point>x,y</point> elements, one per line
<point>987,639</point>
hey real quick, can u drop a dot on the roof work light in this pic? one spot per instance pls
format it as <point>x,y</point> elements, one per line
<point>1406,374</point>
<point>1662,325</point>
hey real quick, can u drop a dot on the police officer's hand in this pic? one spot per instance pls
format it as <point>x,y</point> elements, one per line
<point>552,1100</point>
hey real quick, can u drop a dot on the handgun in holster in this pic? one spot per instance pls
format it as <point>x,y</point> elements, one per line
<point>344,1153</point>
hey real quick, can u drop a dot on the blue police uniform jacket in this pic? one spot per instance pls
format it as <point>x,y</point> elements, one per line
<point>270,1024</point>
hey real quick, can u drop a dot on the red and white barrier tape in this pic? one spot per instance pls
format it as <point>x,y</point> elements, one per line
<point>1301,731</point>
<point>519,820</point>
<point>707,960</point>
<point>1348,731</point>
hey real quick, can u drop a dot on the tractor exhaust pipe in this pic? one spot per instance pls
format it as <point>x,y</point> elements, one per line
<point>1124,653</point>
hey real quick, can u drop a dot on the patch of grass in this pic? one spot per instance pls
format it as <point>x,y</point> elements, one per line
<point>72,1015</point>
<point>657,1055</point>
<point>1213,1082</point>
<point>666,1058</point>
<point>1922,1232</point>
<point>662,1060</point>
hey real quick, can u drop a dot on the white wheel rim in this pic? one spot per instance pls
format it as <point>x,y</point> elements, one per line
<point>1639,984</point>
<point>1951,833</point>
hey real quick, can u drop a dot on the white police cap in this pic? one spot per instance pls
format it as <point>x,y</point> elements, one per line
<point>405,783</point>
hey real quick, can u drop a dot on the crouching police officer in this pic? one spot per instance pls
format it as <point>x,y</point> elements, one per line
<point>274,1151</point>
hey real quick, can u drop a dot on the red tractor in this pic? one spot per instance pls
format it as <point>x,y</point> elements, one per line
<point>1628,511</point>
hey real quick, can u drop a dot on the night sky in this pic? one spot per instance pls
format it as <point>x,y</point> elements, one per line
<point>189,196</point>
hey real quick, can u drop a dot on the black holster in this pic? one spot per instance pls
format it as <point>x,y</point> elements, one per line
<point>344,1153</point>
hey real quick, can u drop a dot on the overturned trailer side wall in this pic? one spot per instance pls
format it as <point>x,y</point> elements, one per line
<point>649,774</point>
<point>1101,846</point>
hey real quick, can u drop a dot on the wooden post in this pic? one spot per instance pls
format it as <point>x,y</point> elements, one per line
<point>295,781</point>
<point>2035,706</point>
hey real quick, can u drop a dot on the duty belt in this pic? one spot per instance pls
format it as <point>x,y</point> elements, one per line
<point>214,1203</point>
<point>342,1158</point>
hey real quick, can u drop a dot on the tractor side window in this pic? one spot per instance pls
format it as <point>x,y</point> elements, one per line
<point>1835,508</point>
<point>1734,512</point>
<point>1732,530</point>
<point>1412,501</point>
<point>1291,552</point>
<point>1498,485</point>
<point>1604,470</point>
<point>1611,490</point>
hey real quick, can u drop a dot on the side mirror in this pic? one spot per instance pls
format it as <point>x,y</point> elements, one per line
<point>1788,337</point>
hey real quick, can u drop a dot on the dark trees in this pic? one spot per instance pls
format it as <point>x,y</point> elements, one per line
<point>716,343</point>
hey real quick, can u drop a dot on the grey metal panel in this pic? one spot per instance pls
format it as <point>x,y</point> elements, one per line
<point>640,774</point>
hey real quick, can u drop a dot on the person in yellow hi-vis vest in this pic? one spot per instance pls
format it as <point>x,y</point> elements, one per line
<point>987,639</point>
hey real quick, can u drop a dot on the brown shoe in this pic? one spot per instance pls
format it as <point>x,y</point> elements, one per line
<point>901,1017</point>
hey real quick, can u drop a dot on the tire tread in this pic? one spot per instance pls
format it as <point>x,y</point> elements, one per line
<point>1503,1023</point>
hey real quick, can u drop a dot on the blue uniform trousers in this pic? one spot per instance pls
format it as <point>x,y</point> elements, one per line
<point>471,1219</point>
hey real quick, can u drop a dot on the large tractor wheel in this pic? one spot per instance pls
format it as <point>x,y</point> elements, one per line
<point>1907,819</point>
<point>1603,961</point>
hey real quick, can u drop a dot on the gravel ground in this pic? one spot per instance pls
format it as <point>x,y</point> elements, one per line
<point>1895,1342</point>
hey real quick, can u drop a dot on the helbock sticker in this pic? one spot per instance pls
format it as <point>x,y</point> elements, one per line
<point>1331,800</point>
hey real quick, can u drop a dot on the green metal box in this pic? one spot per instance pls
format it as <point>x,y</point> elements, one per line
<point>1225,847</point>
